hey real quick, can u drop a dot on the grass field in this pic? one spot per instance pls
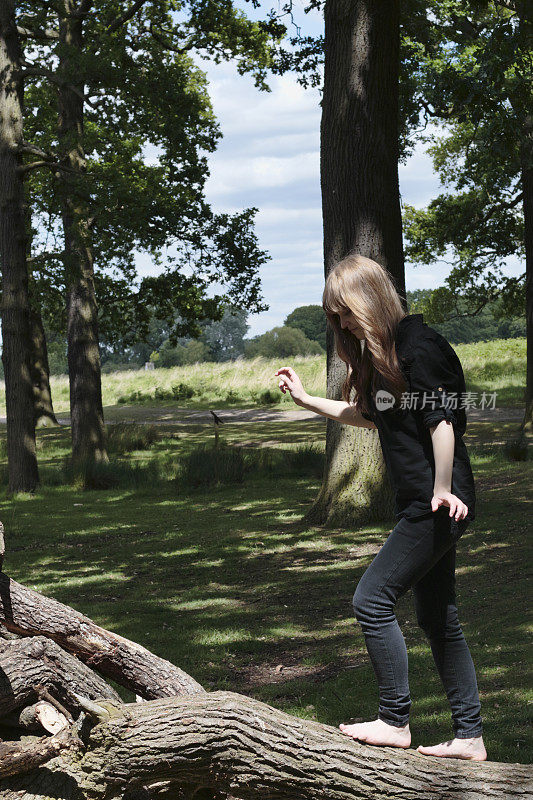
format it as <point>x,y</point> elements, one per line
<point>488,366</point>
<point>227,583</point>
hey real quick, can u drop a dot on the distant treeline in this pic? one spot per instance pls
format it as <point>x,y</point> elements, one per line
<point>302,333</point>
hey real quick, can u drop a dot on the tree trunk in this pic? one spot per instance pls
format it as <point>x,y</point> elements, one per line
<point>42,395</point>
<point>40,370</point>
<point>86,411</point>
<point>227,742</point>
<point>22,461</point>
<point>23,610</point>
<point>527,189</point>
<point>361,212</point>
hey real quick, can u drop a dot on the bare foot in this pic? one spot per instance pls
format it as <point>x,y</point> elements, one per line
<point>470,749</point>
<point>378,732</point>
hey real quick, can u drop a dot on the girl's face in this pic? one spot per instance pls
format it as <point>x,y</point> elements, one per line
<point>347,320</point>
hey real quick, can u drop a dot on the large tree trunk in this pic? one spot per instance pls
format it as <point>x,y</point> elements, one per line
<point>527,189</point>
<point>22,461</point>
<point>42,395</point>
<point>40,369</point>
<point>86,411</point>
<point>361,212</point>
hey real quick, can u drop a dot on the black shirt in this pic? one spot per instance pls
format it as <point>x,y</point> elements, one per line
<point>435,379</point>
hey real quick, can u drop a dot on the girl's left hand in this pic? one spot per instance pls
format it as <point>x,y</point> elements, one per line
<point>457,507</point>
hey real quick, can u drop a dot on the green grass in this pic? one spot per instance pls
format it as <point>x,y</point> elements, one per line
<point>497,366</point>
<point>226,583</point>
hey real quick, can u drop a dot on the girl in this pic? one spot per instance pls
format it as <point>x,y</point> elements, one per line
<point>401,378</point>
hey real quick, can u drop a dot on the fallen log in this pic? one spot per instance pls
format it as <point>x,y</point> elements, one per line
<point>25,611</point>
<point>226,742</point>
<point>32,662</point>
<point>41,715</point>
<point>17,758</point>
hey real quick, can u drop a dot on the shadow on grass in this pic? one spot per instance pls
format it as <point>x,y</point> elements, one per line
<point>229,585</point>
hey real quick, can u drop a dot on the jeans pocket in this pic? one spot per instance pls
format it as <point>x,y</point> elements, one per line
<point>458,527</point>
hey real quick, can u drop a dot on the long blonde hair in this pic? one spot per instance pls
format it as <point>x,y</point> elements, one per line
<point>365,288</point>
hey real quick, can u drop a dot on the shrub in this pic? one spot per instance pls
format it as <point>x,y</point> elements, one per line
<point>305,459</point>
<point>209,466</point>
<point>232,396</point>
<point>126,436</point>
<point>516,448</point>
<point>182,391</point>
<point>268,397</point>
<point>110,474</point>
<point>133,397</point>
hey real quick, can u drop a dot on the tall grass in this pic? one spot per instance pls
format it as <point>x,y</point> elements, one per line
<point>206,465</point>
<point>498,365</point>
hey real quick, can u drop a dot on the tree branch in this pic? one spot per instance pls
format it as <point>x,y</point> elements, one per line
<point>500,206</point>
<point>46,159</point>
<point>18,758</point>
<point>46,73</point>
<point>48,5</point>
<point>33,33</point>
<point>119,21</point>
<point>23,168</point>
<point>83,8</point>
<point>237,745</point>
<point>438,112</point>
<point>162,41</point>
<point>27,147</point>
<point>23,610</point>
<point>46,255</point>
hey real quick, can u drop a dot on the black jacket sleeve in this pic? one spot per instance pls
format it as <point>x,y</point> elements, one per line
<point>435,383</point>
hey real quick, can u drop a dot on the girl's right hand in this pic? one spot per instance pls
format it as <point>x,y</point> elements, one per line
<point>291,382</point>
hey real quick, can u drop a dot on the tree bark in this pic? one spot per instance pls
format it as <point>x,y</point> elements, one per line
<point>527,189</point>
<point>23,610</point>
<point>31,663</point>
<point>227,742</point>
<point>22,460</point>
<point>42,396</point>
<point>361,212</point>
<point>86,410</point>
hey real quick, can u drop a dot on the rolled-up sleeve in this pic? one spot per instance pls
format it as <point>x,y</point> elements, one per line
<point>434,384</point>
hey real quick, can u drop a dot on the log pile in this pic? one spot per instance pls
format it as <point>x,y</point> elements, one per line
<point>74,738</point>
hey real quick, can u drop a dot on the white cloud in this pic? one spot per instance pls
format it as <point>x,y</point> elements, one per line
<point>229,175</point>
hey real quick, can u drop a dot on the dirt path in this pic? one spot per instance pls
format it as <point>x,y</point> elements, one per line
<point>168,415</point>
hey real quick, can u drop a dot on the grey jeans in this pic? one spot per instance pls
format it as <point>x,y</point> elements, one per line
<point>419,553</point>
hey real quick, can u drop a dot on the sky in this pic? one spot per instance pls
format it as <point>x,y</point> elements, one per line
<point>269,158</point>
